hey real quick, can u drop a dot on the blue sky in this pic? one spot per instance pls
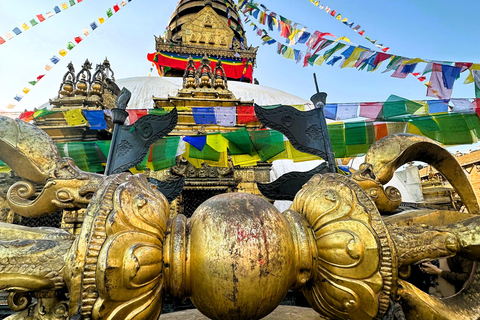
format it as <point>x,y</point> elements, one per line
<point>430,29</point>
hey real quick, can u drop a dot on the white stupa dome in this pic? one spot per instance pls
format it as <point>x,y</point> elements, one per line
<point>144,88</point>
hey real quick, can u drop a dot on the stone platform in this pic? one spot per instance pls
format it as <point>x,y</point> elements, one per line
<point>281,313</point>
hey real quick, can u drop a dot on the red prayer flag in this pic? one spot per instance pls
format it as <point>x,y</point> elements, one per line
<point>415,74</point>
<point>116,8</point>
<point>381,130</point>
<point>78,39</point>
<point>333,13</point>
<point>135,114</point>
<point>422,78</point>
<point>26,116</point>
<point>362,32</point>
<point>2,41</point>
<point>40,17</point>
<point>246,114</point>
<point>463,65</point>
<point>476,103</point>
<point>40,77</point>
<point>384,49</point>
<point>78,1</point>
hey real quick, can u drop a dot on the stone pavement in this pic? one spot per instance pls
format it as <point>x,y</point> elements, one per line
<point>281,313</point>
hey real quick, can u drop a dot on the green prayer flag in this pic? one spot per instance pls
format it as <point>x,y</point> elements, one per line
<point>207,153</point>
<point>104,147</point>
<point>239,142</point>
<point>394,106</point>
<point>33,22</point>
<point>337,138</point>
<point>454,129</point>
<point>356,140</point>
<point>109,12</point>
<point>269,143</point>
<point>72,2</point>
<point>473,122</point>
<point>43,112</point>
<point>164,152</point>
<point>70,45</point>
<point>428,127</point>
<point>158,112</point>
<point>32,82</point>
<point>61,149</point>
<point>329,52</point>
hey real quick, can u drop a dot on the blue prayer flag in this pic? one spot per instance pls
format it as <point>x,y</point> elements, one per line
<point>204,115</point>
<point>54,59</point>
<point>56,9</point>
<point>17,31</point>
<point>18,98</point>
<point>437,106</point>
<point>450,74</point>
<point>409,68</point>
<point>96,119</point>
<point>198,142</point>
<point>93,25</point>
<point>334,60</point>
<point>330,111</point>
<point>304,37</point>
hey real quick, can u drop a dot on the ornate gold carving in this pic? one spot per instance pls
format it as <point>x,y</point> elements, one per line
<point>354,269</point>
<point>332,244</point>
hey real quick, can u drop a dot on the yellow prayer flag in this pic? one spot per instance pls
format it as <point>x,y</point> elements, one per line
<point>62,52</point>
<point>64,5</point>
<point>293,34</point>
<point>282,155</point>
<point>217,142</point>
<point>289,53</point>
<point>412,61</point>
<point>275,21</point>
<point>25,26</point>
<point>222,162</point>
<point>319,61</point>
<point>469,78</point>
<point>197,163</point>
<point>344,39</point>
<point>74,117</point>
<point>298,156</point>
<point>423,110</point>
<point>339,17</point>
<point>475,66</point>
<point>396,127</point>
<point>245,160</point>
<point>26,90</point>
<point>101,20</point>
<point>300,107</point>
<point>317,3</point>
<point>350,62</point>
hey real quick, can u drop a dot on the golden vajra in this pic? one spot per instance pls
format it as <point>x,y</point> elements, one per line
<point>237,256</point>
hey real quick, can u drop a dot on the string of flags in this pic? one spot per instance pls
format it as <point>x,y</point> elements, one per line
<point>347,55</point>
<point>36,20</point>
<point>70,45</point>
<point>448,122</point>
<point>352,25</point>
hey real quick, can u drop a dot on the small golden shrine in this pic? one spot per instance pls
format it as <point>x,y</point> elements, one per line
<point>205,28</point>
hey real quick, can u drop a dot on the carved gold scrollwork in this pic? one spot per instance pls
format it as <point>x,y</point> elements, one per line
<point>348,281</point>
<point>130,263</point>
<point>18,301</point>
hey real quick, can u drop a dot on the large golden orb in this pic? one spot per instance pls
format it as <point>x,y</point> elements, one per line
<point>242,257</point>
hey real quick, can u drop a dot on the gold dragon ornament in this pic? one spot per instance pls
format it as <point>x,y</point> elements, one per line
<point>237,256</point>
